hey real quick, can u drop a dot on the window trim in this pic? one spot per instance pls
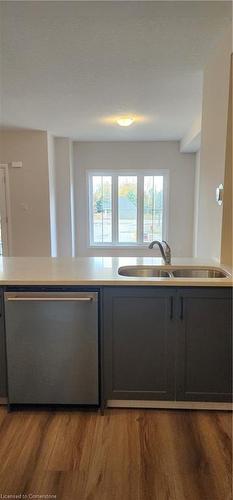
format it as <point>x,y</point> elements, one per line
<point>140,173</point>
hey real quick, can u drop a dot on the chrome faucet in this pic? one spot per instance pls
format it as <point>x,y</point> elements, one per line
<point>166,253</point>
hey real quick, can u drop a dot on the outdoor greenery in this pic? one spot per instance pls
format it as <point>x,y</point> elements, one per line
<point>102,197</point>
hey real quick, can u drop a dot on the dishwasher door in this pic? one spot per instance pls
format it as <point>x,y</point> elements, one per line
<point>52,347</point>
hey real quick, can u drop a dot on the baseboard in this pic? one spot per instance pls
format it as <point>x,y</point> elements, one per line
<point>3,401</point>
<point>169,405</point>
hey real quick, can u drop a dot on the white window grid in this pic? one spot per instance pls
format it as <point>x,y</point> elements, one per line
<point>140,205</point>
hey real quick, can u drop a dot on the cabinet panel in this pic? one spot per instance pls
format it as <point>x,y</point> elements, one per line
<point>139,345</point>
<point>204,351</point>
<point>3,382</point>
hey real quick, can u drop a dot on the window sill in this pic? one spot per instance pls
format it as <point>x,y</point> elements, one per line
<point>121,246</point>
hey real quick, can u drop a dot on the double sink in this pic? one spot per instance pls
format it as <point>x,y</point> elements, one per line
<point>174,272</point>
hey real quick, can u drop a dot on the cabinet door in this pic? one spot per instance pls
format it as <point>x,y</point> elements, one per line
<point>138,343</point>
<point>3,386</point>
<point>204,351</point>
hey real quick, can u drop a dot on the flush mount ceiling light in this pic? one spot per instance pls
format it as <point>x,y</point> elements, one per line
<point>125,121</point>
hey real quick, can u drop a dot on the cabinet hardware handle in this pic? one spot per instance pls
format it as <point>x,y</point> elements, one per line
<point>181,307</point>
<point>171,307</point>
<point>49,299</point>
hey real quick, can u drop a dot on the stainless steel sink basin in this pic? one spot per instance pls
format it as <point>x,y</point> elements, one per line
<point>158,272</point>
<point>144,271</point>
<point>199,273</point>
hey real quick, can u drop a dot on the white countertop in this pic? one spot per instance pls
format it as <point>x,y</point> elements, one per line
<point>94,271</point>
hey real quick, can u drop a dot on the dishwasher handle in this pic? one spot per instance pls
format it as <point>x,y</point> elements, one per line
<point>50,297</point>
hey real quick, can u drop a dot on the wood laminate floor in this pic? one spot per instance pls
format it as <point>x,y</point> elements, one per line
<point>124,455</point>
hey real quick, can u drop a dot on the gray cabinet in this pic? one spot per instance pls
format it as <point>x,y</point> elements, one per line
<point>204,350</point>
<point>3,383</point>
<point>167,344</point>
<point>139,343</point>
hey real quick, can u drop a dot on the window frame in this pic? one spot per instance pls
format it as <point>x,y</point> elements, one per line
<point>140,174</point>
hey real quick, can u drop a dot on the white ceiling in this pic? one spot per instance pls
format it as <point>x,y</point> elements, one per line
<point>68,67</point>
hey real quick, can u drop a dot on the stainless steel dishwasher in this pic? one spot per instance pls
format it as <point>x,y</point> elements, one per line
<point>52,347</point>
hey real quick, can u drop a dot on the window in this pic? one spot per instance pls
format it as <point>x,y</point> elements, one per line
<point>127,209</point>
<point>101,194</point>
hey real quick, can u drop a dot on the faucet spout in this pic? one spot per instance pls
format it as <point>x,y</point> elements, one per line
<point>165,253</point>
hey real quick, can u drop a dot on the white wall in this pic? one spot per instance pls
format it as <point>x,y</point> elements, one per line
<point>72,198</point>
<point>196,202</point>
<point>29,191</point>
<point>138,155</point>
<point>62,160</point>
<point>213,148</point>
<point>227,217</point>
<point>52,195</point>
<point>191,141</point>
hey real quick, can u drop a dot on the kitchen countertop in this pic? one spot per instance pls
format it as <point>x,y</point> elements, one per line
<point>94,271</point>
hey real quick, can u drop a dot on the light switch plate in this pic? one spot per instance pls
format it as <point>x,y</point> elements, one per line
<point>219,194</point>
<point>16,164</point>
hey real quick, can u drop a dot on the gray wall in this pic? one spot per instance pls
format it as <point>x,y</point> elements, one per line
<point>137,155</point>
<point>213,149</point>
<point>29,191</point>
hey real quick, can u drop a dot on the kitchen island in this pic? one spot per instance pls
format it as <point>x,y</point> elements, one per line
<point>99,271</point>
<point>161,342</point>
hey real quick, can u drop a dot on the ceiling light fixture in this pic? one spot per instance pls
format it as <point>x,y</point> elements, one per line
<point>125,121</point>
